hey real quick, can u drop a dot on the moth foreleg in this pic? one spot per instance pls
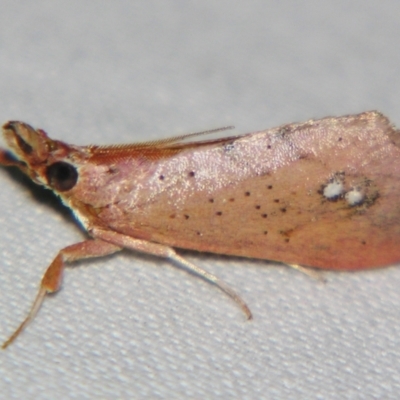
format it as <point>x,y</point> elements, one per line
<point>52,278</point>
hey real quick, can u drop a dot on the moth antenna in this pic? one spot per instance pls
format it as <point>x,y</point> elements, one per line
<point>178,138</point>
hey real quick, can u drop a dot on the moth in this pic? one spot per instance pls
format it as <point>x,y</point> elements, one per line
<point>323,194</point>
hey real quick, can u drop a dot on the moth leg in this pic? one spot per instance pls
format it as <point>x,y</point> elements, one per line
<point>52,278</point>
<point>214,280</point>
<point>308,271</point>
<point>167,252</point>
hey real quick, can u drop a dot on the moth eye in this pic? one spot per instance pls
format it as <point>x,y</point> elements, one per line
<point>61,176</point>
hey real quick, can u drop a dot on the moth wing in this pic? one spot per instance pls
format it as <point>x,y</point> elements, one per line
<point>321,194</point>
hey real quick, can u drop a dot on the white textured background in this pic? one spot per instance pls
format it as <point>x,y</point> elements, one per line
<point>134,327</point>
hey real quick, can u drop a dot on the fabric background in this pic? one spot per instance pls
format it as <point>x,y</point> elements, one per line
<point>135,327</point>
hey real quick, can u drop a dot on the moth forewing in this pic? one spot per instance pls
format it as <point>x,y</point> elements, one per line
<point>320,194</point>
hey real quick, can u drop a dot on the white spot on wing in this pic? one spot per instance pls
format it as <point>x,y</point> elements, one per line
<point>333,189</point>
<point>354,197</point>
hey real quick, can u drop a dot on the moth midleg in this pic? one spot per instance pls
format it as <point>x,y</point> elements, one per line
<point>160,250</point>
<point>214,280</point>
<point>52,278</point>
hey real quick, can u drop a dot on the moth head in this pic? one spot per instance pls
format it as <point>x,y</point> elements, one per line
<point>27,144</point>
<point>40,157</point>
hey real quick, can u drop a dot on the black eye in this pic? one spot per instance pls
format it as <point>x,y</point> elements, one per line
<point>61,176</point>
